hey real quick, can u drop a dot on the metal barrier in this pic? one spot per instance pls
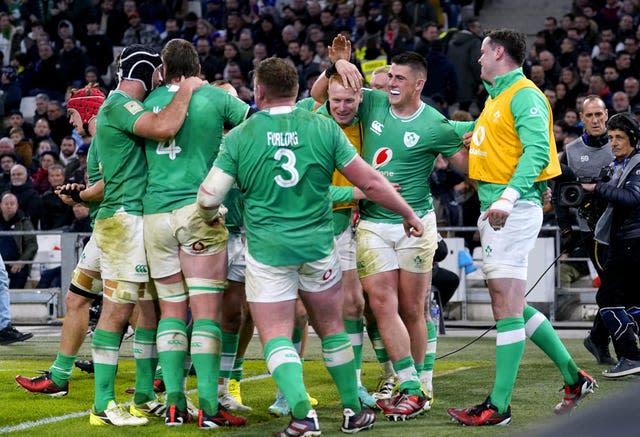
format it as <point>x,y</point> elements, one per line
<point>71,247</point>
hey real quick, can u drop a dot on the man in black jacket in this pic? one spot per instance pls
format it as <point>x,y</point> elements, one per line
<point>619,227</point>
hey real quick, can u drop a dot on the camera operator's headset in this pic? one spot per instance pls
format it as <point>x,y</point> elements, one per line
<point>627,123</point>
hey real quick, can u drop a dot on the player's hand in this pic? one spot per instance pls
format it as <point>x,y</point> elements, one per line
<point>497,218</point>
<point>193,83</point>
<point>218,219</point>
<point>413,226</point>
<point>350,74</point>
<point>546,196</point>
<point>466,139</point>
<point>15,268</point>
<point>340,48</point>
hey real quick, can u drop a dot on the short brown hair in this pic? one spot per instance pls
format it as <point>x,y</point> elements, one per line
<point>180,58</point>
<point>279,78</point>
<point>514,43</point>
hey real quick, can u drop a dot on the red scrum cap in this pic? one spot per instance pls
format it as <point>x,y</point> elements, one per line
<point>86,101</point>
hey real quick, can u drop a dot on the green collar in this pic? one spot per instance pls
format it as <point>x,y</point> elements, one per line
<point>503,82</point>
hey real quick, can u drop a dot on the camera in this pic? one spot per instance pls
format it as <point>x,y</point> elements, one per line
<point>572,194</point>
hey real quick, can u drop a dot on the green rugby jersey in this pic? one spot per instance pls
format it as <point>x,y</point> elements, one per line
<point>124,168</point>
<point>177,167</point>
<point>404,150</point>
<point>283,159</point>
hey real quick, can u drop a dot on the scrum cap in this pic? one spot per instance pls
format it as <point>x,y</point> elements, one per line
<point>87,102</point>
<point>138,62</point>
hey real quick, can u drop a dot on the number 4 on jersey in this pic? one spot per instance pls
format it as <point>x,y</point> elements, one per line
<point>168,149</point>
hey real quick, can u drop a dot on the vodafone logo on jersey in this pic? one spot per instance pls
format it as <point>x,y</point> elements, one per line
<point>381,157</point>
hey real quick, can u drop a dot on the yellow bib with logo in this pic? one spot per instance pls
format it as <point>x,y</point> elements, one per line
<point>495,146</point>
<point>354,134</point>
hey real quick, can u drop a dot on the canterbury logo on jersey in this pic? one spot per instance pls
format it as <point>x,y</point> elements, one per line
<point>376,127</point>
<point>381,157</point>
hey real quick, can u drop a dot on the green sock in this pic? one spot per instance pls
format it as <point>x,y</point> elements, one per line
<point>407,375</point>
<point>355,331</point>
<point>146,355</point>
<point>510,343</point>
<point>376,341</point>
<point>296,338</point>
<point>61,368</point>
<point>205,354</point>
<point>339,359</point>
<point>158,374</point>
<point>227,358</point>
<point>236,372</point>
<point>286,369</point>
<point>105,346</point>
<point>426,374</point>
<point>541,332</point>
<point>172,349</point>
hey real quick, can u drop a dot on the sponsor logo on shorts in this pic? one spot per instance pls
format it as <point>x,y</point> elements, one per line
<point>198,246</point>
<point>141,268</point>
<point>176,342</point>
<point>327,275</point>
<point>382,157</point>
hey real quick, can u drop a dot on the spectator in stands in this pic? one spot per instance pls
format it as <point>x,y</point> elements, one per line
<point>8,334</point>
<point>7,160</point>
<point>553,35</point>
<point>99,48</point>
<point>550,66</point>
<point>427,37</point>
<point>28,198</point>
<point>189,28</point>
<point>22,146</point>
<point>259,53</point>
<point>75,171</point>
<point>58,124</point>
<point>599,87</point>
<point>16,119</point>
<point>40,177</point>
<point>245,46</point>
<point>112,21</point>
<point>211,66</point>
<point>45,75</point>
<point>572,81</point>
<point>68,151</point>
<point>612,78</point>
<point>442,75</point>
<point>568,55</point>
<point>58,214</point>
<point>442,181</point>
<point>16,247</point>
<point>538,77</point>
<point>631,86</point>
<point>9,38</point>
<point>619,103</point>
<point>420,12</point>
<point>398,37</point>
<point>562,102</point>
<point>73,62</point>
<point>46,145</point>
<point>42,101</point>
<point>171,30</point>
<point>234,26</point>
<point>624,66</point>
<point>204,29</point>
<point>463,52</point>
<point>141,33</point>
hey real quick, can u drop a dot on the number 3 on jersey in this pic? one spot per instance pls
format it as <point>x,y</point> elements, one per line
<point>288,166</point>
<point>168,149</point>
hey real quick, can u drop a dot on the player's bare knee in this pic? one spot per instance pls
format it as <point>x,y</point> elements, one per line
<point>75,303</point>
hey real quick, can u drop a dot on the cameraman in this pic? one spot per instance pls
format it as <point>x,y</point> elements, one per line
<point>619,227</point>
<point>584,158</point>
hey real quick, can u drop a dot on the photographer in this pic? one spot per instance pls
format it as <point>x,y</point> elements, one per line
<point>584,158</point>
<point>619,227</point>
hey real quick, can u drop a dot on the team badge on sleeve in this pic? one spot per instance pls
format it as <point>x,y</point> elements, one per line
<point>133,107</point>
